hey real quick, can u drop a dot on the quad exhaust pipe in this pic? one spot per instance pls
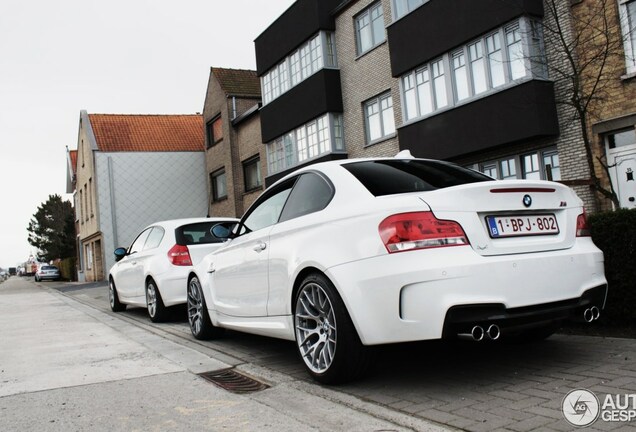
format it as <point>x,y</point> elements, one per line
<point>478,334</point>
<point>591,314</point>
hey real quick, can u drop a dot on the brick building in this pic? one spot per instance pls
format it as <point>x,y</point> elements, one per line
<point>456,79</point>
<point>612,116</point>
<point>235,157</point>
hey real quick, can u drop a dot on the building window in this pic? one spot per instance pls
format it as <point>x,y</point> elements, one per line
<point>551,165</point>
<point>252,174</point>
<point>214,130</point>
<point>90,195</point>
<point>81,206</point>
<point>315,54</point>
<point>321,136</point>
<point>621,138</point>
<point>538,165</point>
<point>627,11</point>
<point>489,64</point>
<point>378,116</point>
<point>88,256</point>
<point>219,185</point>
<point>369,28</point>
<point>403,7</point>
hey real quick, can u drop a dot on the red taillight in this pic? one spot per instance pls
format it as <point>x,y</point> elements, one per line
<point>179,255</point>
<point>421,230</point>
<point>582,228</point>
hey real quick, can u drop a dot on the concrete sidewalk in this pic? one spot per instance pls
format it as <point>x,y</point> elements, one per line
<point>65,366</point>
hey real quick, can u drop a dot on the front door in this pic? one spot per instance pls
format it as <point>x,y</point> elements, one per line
<point>626,178</point>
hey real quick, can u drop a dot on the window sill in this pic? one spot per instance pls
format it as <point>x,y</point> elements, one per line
<point>220,199</point>
<point>381,140</point>
<point>628,76</point>
<point>255,189</point>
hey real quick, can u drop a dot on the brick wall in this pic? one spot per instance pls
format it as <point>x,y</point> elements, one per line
<point>363,77</point>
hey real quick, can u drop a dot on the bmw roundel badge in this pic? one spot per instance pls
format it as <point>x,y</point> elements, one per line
<point>527,200</point>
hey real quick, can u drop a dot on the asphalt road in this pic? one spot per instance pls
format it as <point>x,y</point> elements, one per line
<point>467,386</point>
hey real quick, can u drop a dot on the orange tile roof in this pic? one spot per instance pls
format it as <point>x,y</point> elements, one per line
<point>73,156</point>
<point>148,133</point>
<point>238,82</point>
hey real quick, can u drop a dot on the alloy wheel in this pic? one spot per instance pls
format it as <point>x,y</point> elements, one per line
<point>195,306</point>
<point>315,327</point>
<point>151,299</point>
<point>111,294</point>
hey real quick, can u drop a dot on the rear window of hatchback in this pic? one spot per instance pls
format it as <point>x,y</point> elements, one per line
<point>198,233</point>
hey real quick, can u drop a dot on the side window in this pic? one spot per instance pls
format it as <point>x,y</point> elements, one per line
<point>311,193</point>
<point>138,244</point>
<point>154,238</point>
<point>267,212</point>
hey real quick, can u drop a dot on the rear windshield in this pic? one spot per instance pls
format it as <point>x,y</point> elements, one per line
<point>388,177</point>
<point>198,233</point>
<point>49,268</point>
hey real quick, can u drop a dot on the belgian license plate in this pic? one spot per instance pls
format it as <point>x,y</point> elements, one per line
<point>512,226</point>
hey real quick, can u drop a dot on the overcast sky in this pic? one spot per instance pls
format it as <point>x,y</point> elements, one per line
<point>109,56</point>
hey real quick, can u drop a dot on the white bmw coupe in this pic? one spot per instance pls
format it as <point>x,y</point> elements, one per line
<point>342,255</point>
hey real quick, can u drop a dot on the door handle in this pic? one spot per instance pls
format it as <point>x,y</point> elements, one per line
<point>134,263</point>
<point>260,246</point>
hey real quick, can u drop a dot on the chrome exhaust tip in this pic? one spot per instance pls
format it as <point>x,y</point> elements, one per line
<point>493,332</point>
<point>477,333</point>
<point>588,315</point>
<point>596,313</point>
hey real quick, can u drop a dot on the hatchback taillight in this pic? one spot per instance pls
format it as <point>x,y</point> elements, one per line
<point>420,230</point>
<point>179,255</point>
<point>582,227</point>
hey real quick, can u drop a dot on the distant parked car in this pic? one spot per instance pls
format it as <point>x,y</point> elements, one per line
<point>153,271</point>
<point>47,272</point>
<point>346,254</point>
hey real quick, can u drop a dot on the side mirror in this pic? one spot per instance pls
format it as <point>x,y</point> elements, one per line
<point>120,253</point>
<point>223,231</point>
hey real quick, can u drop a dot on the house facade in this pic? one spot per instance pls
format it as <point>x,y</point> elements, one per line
<point>235,157</point>
<point>133,170</point>
<point>612,115</point>
<point>458,80</point>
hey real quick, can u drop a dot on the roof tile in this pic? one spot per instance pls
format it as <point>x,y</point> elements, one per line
<point>148,133</point>
<point>238,82</point>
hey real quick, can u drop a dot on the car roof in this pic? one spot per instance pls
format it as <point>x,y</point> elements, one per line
<point>174,223</point>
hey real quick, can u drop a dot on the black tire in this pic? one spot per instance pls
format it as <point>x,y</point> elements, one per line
<point>113,298</point>
<point>326,339</point>
<point>37,279</point>
<point>198,317</point>
<point>154,303</point>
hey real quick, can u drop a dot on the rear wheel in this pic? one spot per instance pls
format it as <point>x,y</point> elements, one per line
<point>325,336</point>
<point>113,298</point>
<point>198,317</point>
<point>156,310</point>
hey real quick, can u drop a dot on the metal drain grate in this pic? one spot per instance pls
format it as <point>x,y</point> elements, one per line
<point>233,381</point>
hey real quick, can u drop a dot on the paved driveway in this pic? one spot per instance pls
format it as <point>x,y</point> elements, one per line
<point>469,386</point>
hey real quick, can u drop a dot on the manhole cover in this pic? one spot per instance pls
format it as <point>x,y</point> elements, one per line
<point>233,381</point>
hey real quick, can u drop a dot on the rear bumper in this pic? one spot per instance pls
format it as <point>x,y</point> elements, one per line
<point>410,296</point>
<point>461,319</point>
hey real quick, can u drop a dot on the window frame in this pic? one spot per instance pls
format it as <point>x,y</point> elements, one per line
<point>252,161</point>
<point>209,131</point>
<point>473,67</point>
<point>376,40</point>
<point>314,54</point>
<point>380,113</point>
<point>213,186</point>
<point>628,32</point>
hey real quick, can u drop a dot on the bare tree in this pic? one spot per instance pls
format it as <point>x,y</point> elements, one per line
<point>586,57</point>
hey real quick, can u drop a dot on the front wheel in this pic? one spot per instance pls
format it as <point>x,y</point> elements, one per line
<point>325,336</point>
<point>113,298</point>
<point>198,317</point>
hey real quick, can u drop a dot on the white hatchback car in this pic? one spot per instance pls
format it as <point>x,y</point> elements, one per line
<point>346,254</point>
<point>153,271</point>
